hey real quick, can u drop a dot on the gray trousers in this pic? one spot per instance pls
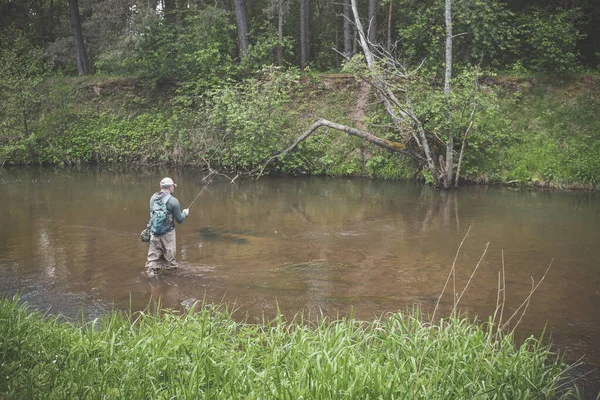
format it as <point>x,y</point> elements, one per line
<point>161,252</point>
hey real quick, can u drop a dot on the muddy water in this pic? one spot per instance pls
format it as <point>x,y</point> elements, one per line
<point>70,241</point>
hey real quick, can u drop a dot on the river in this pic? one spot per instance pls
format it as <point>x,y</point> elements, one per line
<point>321,246</point>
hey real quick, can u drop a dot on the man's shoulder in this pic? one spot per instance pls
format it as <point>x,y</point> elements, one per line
<point>172,201</point>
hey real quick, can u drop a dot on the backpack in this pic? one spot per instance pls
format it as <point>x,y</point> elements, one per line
<point>160,223</point>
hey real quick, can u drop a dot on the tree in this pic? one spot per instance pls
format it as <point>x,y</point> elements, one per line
<point>373,21</point>
<point>347,29</point>
<point>83,63</point>
<point>447,173</point>
<point>169,7</point>
<point>549,40</point>
<point>21,71</point>
<point>279,48</point>
<point>393,82</point>
<point>242,26</point>
<point>304,32</point>
<point>484,31</point>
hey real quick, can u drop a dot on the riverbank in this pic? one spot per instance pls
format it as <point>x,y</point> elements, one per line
<point>205,353</point>
<point>538,132</point>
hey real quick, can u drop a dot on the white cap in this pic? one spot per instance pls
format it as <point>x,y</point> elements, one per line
<point>167,182</point>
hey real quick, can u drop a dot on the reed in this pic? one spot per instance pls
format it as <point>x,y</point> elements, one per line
<point>205,353</point>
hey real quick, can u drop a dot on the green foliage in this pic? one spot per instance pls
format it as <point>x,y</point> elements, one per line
<point>21,70</point>
<point>263,41</point>
<point>491,135</point>
<point>483,30</point>
<point>536,39</point>
<point>528,131</point>
<point>204,353</point>
<point>120,28</point>
<point>198,51</point>
<point>108,138</point>
<point>428,176</point>
<point>549,40</point>
<point>251,114</point>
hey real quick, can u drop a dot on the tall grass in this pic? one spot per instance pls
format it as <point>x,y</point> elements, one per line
<point>204,353</point>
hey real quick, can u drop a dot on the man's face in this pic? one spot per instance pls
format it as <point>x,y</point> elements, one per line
<point>171,189</point>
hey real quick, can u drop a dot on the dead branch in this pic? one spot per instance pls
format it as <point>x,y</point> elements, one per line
<point>525,302</point>
<point>470,278</point>
<point>383,143</point>
<point>450,275</point>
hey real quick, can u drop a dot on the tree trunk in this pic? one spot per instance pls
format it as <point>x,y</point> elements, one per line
<point>169,7</point>
<point>49,35</point>
<point>303,33</point>
<point>83,63</point>
<point>242,26</point>
<point>372,21</point>
<point>337,37</point>
<point>279,48</point>
<point>309,33</point>
<point>362,38</point>
<point>347,29</point>
<point>389,28</point>
<point>447,179</point>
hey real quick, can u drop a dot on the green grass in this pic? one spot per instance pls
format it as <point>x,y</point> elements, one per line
<point>557,134</point>
<point>206,354</point>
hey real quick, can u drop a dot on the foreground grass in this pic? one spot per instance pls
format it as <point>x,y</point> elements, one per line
<point>206,354</point>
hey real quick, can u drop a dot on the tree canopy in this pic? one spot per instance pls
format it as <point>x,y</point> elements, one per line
<point>183,40</point>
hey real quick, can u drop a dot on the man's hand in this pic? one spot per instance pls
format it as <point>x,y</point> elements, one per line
<point>185,212</point>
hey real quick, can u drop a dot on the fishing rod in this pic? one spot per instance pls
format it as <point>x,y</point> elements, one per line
<point>123,233</point>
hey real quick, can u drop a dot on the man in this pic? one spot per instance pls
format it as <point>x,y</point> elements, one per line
<point>164,211</point>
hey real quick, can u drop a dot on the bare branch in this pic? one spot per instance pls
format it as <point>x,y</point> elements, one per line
<point>452,271</point>
<point>528,298</point>
<point>383,143</point>
<point>503,294</point>
<point>487,245</point>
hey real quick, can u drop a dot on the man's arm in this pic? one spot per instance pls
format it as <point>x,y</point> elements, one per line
<point>176,210</point>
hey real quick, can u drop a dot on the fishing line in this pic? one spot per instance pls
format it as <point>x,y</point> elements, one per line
<point>124,233</point>
<point>199,193</point>
<point>202,190</point>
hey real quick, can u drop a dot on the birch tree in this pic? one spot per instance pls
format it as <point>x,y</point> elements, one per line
<point>447,173</point>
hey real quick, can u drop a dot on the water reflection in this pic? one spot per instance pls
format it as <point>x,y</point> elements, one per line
<point>312,245</point>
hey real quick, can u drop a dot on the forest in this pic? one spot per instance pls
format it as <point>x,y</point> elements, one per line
<point>486,91</point>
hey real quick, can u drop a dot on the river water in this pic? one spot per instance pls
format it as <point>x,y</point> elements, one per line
<point>70,242</point>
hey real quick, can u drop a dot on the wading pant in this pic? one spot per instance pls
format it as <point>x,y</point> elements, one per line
<point>161,253</point>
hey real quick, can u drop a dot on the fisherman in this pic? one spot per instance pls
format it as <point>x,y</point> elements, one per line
<point>164,211</point>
